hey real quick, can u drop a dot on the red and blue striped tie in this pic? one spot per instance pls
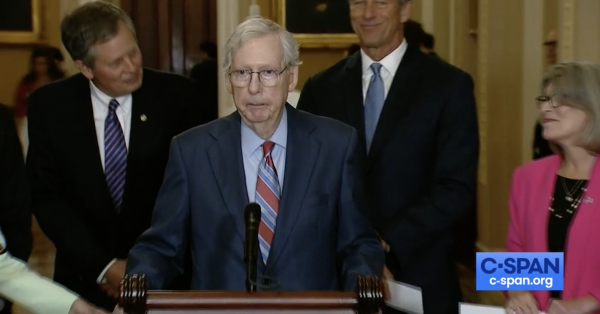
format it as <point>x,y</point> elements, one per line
<point>268,192</point>
<point>115,150</point>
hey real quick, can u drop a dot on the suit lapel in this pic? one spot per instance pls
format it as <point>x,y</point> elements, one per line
<point>142,136</point>
<point>229,173</point>
<point>352,81</point>
<point>85,138</point>
<point>301,154</point>
<point>399,102</point>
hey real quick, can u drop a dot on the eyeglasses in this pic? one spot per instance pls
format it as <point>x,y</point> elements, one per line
<point>554,103</point>
<point>267,77</point>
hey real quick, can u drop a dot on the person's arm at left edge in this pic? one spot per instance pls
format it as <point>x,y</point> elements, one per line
<point>36,293</point>
<point>15,210</point>
<point>453,194</point>
<point>359,248</point>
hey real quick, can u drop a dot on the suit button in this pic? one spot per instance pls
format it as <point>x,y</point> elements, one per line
<point>266,281</point>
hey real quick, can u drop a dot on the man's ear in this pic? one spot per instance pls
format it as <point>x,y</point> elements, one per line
<point>406,11</point>
<point>293,78</point>
<point>84,69</point>
<point>228,84</point>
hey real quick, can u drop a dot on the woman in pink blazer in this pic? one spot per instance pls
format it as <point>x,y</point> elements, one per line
<point>555,201</point>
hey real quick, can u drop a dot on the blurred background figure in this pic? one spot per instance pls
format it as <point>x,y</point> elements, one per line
<point>551,44</point>
<point>413,32</point>
<point>206,74</point>
<point>354,48</point>
<point>428,45</point>
<point>43,68</point>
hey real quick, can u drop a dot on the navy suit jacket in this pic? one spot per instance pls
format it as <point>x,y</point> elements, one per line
<point>421,171</point>
<point>322,240</point>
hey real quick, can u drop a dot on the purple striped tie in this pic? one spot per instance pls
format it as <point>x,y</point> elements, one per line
<point>115,150</point>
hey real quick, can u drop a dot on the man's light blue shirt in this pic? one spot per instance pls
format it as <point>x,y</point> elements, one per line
<point>253,154</point>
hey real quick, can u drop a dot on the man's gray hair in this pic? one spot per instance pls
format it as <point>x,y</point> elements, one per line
<point>90,24</point>
<point>255,27</point>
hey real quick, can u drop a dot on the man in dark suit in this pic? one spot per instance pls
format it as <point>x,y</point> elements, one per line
<point>303,171</point>
<point>15,211</point>
<point>417,122</point>
<point>99,144</point>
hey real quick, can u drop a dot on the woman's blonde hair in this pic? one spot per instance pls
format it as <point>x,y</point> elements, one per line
<point>577,85</point>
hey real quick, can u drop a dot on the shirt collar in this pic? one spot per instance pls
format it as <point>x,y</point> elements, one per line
<point>251,141</point>
<point>105,99</point>
<point>390,62</point>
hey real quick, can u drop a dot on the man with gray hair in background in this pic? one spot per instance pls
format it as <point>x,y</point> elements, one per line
<point>302,170</point>
<point>99,144</point>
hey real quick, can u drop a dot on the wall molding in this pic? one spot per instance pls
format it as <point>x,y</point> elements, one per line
<point>533,67</point>
<point>452,33</point>
<point>228,14</point>
<point>428,15</point>
<point>482,102</point>
<point>566,43</point>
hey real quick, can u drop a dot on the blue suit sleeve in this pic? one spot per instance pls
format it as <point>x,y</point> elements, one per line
<point>359,248</point>
<point>160,251</point>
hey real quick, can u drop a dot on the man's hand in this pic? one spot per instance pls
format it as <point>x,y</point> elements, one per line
<point>386,247</point>
<point>521,302</point>
<point>387,274</point>
<point>559,307</point>
<point>82,307</point>
<point>113,276</point>
<point>118,310</point>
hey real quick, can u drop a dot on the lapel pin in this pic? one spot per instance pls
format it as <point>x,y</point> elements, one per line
<point>143,118</point>
<point>588,200</point>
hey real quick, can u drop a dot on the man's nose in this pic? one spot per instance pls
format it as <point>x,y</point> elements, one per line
<point>254,86</point>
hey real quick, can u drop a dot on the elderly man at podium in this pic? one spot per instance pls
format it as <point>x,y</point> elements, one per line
<point>303,170</point>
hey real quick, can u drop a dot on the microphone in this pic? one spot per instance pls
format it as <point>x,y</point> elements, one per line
<point>252,220</point>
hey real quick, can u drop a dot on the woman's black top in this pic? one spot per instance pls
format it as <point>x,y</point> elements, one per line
<point>568,193</point>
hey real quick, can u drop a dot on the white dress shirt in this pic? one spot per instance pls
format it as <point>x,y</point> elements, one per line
<point>388,69</point>
<point>253,154</point>
<point>100,103</point>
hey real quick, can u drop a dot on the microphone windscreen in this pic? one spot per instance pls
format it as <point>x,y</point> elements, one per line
<point>252,214</point>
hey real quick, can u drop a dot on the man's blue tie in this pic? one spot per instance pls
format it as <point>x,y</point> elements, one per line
<point>373,103</point>
<point>115,151</point>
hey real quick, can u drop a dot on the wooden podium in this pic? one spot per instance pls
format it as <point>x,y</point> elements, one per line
<point>135,298</point>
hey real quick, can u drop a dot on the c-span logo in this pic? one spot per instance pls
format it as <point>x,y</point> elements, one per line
<point>519,271</point>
